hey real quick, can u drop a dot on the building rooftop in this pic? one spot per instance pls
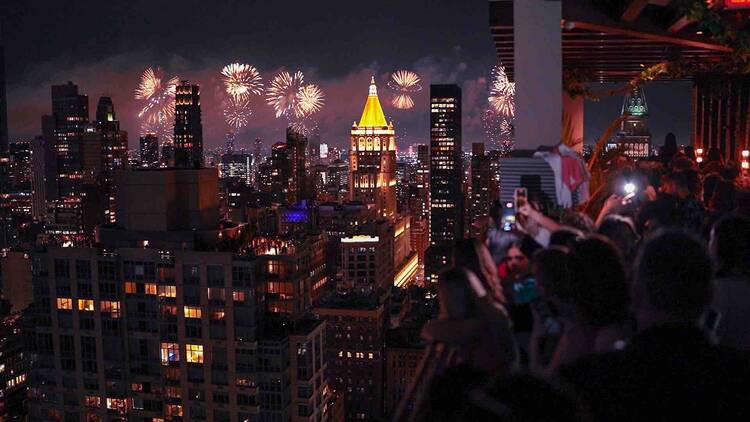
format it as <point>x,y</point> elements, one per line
<point>372,115</point>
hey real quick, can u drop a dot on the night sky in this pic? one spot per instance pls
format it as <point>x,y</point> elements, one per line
<point>104,46</point>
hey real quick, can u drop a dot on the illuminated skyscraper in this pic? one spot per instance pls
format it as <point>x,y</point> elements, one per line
<point>446,197</point>
<point>634,136</point>
<point>372,158</point>
<point>149,151</point>
<point>188,130</point>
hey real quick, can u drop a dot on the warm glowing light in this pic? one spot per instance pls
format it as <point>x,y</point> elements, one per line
<point>194,353</point>
<point>360,238</point>
<point>310,100</point>
<point>241,80</point>
<point>699,151</point>
<point>502,96</point>
<point>745,153</point>
<point>237,112</point>
<point>156,94</point>
<point>404,83</point>
<point>407,272</point>
<point>282,92</point>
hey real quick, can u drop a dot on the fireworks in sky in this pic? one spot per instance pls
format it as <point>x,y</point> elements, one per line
<point>309,100</point>
<point>241,80</point>
<point>156,95</point>
<point>404,83</point>
<point>237,113</point>
<point>282,93</point>
<point>502,96</point>
<point>291,98</point>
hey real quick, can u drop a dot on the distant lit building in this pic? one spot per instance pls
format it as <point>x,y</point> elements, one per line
<point>634,137</point>
<point>367,257</point>
<point>149,149</point>
<point>188,129</point>
<point>292,271</point>
<point>481,184</point>
<point>446,175</point>
<point>237,165</point>
<point>372,158</point>
<point>19,182</point>
<point>354,346</point>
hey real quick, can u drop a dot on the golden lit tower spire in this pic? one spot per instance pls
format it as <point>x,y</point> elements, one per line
<point>372,115</point>
<point>372,158</point>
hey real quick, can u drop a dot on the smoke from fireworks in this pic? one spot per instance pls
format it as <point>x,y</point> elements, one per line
<point>241,80</point>
<point>404,83</point>
<point>282,93</point>
<point>502,96</point>
<point>156,95</point>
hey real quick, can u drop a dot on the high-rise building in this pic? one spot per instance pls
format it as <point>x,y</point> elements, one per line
<point>367,257</point>
<point>634,137</point>
<point>19,186</point>
<point>354,346</point>
<point>3,103</point>
<point>296,145</point>
<point>419,189</point>
<point>149,151</point>
<point>372,158</point>
<point>143,333</point>
<point>481,183</point>
<point>114,153</point>
<point>446,175</point>
<point>188,129</point>
<point>236,165</point>
<point>63,131</point>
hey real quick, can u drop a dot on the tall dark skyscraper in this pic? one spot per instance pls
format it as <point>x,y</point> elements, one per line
<point>296,145</point>
<point>63,131</point>
<point>114,152</point>
<point>481,184</point>
<point>446,198</point>
<point>188,130</point>
<point>3,104</point>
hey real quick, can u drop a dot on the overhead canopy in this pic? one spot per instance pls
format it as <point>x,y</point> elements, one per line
<point>615,43</point>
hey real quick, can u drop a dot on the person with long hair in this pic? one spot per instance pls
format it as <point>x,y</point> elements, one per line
<point>473,318</point>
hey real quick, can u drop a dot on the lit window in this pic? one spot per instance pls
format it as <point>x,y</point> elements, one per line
<point>130,287</point>
<point>115,403</point>
<point>217,315</point>
<point>194,353</point>
<point>215,293</point>
<point>174,392</point>
<point>370,355</point>
<point>192,312</point>
<point>112,307</point>
<point>86,305</point>
<point>92,401</point>
<point>150,288</point>
<point>64,303</point>
<point>136,386</point>
<point>174,410</point>
<point>238,296</point>
<point>167,291</point>
<point>170,352</point>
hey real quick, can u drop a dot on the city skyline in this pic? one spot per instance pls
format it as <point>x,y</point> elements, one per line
<point>464,56</point>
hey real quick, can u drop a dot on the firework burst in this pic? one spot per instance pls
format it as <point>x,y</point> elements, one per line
<point>404,83</point>
<point>241,80</point>
<point>283,93</point>
<point>237,113</point>
<point>309,100</point>
<point>156,95</point>
<point>402,101</point>
<point>502,96</point>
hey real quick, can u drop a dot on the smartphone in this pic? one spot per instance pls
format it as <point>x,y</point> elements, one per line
<point>508,221</point>
<point>520,197</point>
